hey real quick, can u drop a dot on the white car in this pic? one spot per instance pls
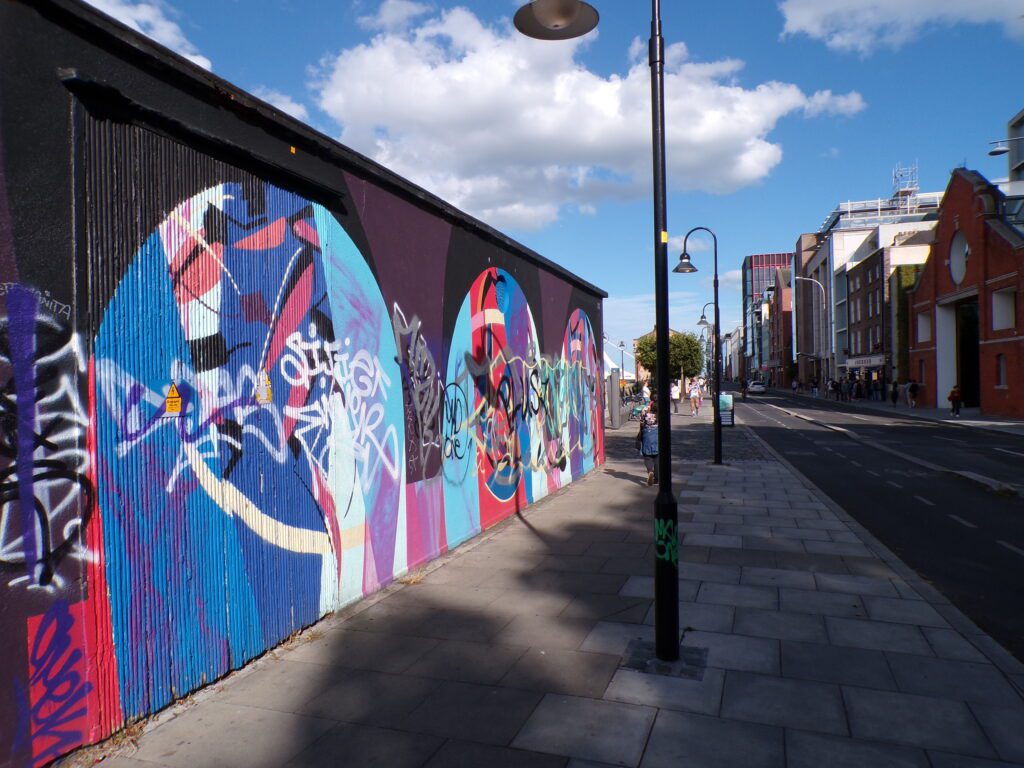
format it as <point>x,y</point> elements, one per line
<point>756,388</point>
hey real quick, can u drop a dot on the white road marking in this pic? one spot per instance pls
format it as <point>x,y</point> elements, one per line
<point>967,524</point>
<point>1012,453</point>
<point>856,463</point>
<point>1011,547</point>
<point>872,472</point>
<point>894,485</point>
<point>923,500</point>
<point>862,418</point>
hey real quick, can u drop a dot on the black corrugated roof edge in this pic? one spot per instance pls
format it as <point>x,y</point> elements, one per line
<point>88,19</point>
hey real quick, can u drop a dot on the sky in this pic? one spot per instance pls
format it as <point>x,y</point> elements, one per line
<point>775,113</point>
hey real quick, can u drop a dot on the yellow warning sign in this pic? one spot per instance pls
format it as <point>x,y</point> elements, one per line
<point>264,392</point>
<point>664,236</point>
<point>172,405</point>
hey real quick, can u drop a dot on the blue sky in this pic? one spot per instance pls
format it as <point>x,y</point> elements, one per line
<point>775,113</point>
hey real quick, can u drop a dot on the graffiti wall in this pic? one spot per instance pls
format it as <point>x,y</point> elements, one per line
<point>232,402</point>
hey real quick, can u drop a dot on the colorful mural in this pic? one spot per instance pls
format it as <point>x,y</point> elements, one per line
<point>260,417</point>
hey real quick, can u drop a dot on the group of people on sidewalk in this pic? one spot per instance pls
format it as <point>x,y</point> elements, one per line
<point>647,437</point>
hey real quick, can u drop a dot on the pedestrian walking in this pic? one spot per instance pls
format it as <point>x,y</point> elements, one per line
<point>695,397</point>
<point>794,385</point>
<point>954,401</point>
<point>895,394</point>
<point>646,392</point>
<point>912,393</point>
<point>648,439</point>
<point>675,393</point>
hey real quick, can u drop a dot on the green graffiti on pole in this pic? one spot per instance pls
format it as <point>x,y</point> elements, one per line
<point>666,541</point>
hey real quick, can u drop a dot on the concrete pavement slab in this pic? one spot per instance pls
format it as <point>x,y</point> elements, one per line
<point>371,698</point>
<point>286,686</point>
<point>777,577</point>
<point>467,662</point>
<point>797,704</point>
<point>815,750</point>
<point>547,632</point>
<point>720,574</point>
<point>607,608</point>
<point>961,680</point>
<point>459,754</point>
<point>824,603</point>
<point>694,741</point>
<point>781,625</point>
<point>836,664</point>
<point>920,721</point>
<point>604,731</point>
<point>577,673</point>
<point>613,637</point>
<point>877,635</point>
<point>903,611</point>
<point>740,652</point>
<point>738,595</point>
<point>480,713</point>
<point>259,737</point>
<point>742,557</point>
<point>948,760</point>
<point>950,644</point>
<point>1004,726</point>
<point>359,650</point>
<point>855,585</point>
<point>703,696</point>
<point>704,616</point>
<point>365,745</point>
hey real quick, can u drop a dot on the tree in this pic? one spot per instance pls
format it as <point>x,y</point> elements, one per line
<point>685,355</point>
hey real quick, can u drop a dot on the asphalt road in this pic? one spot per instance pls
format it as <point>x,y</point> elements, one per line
<point>965,539</point>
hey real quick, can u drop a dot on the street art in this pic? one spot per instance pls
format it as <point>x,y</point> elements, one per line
<point>254,428</point>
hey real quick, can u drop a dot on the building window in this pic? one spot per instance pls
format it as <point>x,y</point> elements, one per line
<point>1004,309</point>
<point>924,327</point>
<point>1000,370</point>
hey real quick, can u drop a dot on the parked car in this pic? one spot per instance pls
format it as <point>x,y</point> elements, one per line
<point>756,388</point>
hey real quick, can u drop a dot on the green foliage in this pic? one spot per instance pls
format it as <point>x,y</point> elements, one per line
<point>684,354</point>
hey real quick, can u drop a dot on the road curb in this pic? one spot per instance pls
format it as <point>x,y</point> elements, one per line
<point>1005,661</point>
<point>996,486</point>
<point>915,416</point>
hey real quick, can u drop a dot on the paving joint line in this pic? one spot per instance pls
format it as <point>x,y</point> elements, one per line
<point>928,593</point>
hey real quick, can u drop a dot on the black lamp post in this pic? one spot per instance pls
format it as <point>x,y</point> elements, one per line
<point>686,266</point>
<point>562,20</point>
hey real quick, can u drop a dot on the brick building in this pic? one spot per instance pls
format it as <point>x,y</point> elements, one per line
<point>966,310</point>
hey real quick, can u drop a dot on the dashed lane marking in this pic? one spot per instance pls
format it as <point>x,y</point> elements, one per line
<point>856,463</point>
<point>923,500</point>
<point>967,524</point>
<point>894,485</point>
<point>1010,547</point>
<point>1007,450</point>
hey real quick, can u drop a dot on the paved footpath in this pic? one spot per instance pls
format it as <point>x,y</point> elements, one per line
<point>822,649</point>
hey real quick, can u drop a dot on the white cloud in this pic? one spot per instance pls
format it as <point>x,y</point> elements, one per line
<point>512,129</point>
<point>153,18</point>
<point>861,26</point>
<point>827,103</point>
<point>282,101</point>
<point>733,279</point>
<point>629,317</point>
<point>393,15</point>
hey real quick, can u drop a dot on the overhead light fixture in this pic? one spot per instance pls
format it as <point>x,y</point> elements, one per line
<point>685,266</point>
<point>555,19</point>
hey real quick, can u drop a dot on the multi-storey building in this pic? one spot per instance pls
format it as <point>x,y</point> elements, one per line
<point>852,232</point>
<point>758,275</point>
<point>966,311</point>
<point>780,334</point>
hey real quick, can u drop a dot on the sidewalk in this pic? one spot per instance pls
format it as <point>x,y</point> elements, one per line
<point>970,417</point>
<point>810,645</point>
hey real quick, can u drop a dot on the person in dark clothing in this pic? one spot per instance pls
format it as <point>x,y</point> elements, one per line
<point>912,393</point>
<point>895,393</point>
<point>955,398</point>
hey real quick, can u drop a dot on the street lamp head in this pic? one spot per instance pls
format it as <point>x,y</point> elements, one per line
<point>998,150</point>
<point>622,345</point>
<point>555,19</point>
<point>685,266</point>
<point>703,322</point>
